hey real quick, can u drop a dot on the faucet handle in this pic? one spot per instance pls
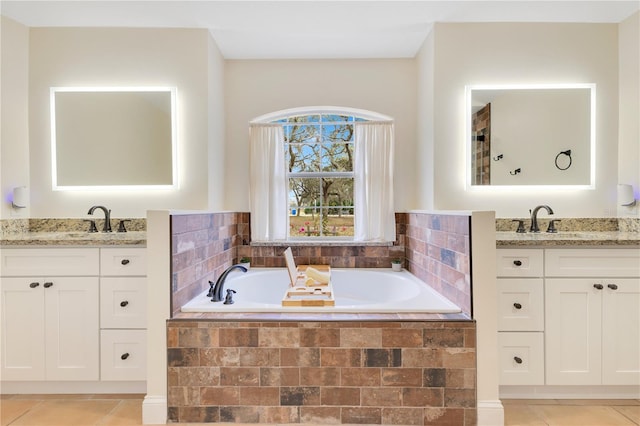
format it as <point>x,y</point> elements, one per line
<point>552,228</point>
<point>121,227</point>
<point>92,225</point>
<point>520,229</point>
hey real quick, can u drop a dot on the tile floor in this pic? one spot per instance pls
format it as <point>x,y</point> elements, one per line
<point>122,410</point>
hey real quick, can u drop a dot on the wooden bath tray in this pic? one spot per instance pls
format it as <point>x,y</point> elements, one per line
<point>302,294</point>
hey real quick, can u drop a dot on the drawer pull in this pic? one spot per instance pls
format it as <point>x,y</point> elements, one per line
<point>517,305</point>
<point>48,284</point>
<point>124,303</point>
<point>125,261</point>
<point>34,285</point>
<point>612,286</point>
<point>124,356</point>
<point>517,262</point>
<point>517,359</point>
<point>598,286</point>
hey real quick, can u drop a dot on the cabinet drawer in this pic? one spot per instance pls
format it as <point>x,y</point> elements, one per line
<point>123,302</point>
<point>123,355</point>
<point>520,263</point>
<point>521,358</point>
<point>592,262</point>
<point>52,262</point>
<point>123,261</point>
<point>520,304</point>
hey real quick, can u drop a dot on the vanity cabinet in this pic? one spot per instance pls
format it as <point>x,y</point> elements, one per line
<point>50,301</point>
<point>569,316</point>
<point>592,306</point>
<point>123,314</point>
<point>73,314</point>
<point>520,316</point>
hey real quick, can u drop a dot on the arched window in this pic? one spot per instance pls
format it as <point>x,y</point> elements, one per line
<point>320,161</point>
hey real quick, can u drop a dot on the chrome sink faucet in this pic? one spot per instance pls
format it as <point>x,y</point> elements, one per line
<point>107,217</point>
<point>534,217</point>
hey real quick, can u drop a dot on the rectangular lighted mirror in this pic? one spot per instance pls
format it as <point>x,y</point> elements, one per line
<point>531,136</point>
<point>113,138</point>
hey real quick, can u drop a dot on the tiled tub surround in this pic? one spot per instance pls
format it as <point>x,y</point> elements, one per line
<point>322,372</point>
<point>318,368</point>
<point>435,248</point>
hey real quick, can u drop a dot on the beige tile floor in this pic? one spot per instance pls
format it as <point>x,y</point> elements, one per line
<point>121,410</point>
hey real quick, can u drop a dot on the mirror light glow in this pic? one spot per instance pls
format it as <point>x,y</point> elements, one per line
<point>469,135</point>
<point>57,185</point>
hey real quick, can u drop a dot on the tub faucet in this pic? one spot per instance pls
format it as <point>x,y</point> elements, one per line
<point>107,217</point>
<point>219,285</point>
<point>534,217</point>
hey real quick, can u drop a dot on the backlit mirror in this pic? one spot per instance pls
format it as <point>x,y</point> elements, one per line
<point>542,135</point>
<point>113,138</point>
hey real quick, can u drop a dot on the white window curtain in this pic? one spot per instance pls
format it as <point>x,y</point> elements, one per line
<point>268,183</point>
<point>373,172</point>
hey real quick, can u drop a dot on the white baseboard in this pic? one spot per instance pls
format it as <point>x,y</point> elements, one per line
<point>99,387</point>
<point>154,410</point>
<point>490,413</point>
<point>569,392</point>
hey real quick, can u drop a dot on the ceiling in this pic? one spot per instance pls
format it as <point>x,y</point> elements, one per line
<point>311,28</point>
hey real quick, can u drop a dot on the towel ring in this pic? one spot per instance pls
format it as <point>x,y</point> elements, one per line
<point>568,154</point>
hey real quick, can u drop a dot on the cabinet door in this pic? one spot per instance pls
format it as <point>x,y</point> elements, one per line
<point>22,329</point>
<point>573,330</point>
<point>72,328</point>
<point>621,332</point>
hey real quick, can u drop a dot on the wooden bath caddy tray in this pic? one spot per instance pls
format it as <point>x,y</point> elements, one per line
<point>309,294</point>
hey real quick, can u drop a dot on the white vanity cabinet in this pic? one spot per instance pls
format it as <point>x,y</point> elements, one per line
<point>123,314</point>
<point>73,315</point>
<point>520,316</point>
<point>50,300</point>
<point>592,305</point>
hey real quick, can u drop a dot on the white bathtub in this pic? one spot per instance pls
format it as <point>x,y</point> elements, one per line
<point>355,290</point>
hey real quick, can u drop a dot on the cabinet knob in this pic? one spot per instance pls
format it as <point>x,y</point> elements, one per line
<point>124,355</point>
<point>517,305</point>
<point>124,303</point>
<point>125,261</point>
<point>517,262</point>
<point>48,284</point>
<point>517,359</point>
<point>34,285</point>
<point>612,286</point>
<point>598,286</point>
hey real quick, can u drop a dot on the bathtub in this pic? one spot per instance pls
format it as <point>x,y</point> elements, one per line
<point>356,290</point>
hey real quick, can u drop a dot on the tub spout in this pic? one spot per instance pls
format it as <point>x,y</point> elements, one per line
<point>219,285</point>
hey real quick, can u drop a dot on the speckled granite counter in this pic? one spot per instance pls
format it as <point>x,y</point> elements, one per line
<point>75,239</point>
<point>595,232</point>
<point>543,239</point>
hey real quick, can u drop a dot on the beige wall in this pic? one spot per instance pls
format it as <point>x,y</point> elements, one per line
<point>121,57</point>
<point>510,53</point>
<point>629,120</point>
<point>254,88</point>
<point>14,113</point>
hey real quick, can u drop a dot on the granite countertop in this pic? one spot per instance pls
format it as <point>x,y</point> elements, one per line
<point>75,238</point>
<point>579,238</point>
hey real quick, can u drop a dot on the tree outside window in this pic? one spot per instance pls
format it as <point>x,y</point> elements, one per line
<point>319,156</point>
